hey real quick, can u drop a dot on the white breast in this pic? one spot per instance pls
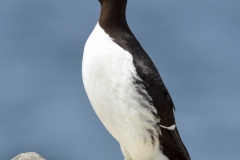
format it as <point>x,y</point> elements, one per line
<point>108,77</point>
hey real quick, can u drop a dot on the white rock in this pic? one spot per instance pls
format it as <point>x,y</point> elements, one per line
<point>28,156</point>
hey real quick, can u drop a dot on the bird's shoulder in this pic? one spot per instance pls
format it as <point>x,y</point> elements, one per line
<point>149,75</point>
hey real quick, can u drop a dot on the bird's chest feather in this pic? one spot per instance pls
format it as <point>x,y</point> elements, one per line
<point>109,78</point>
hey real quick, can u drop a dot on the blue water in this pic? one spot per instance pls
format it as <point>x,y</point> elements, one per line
<point>43,106</point>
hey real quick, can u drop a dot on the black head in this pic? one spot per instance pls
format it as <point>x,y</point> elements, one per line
<point>113,13</point>
<point>120,2</point>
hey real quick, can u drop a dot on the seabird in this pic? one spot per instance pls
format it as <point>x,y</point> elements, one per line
<point>126,90</point>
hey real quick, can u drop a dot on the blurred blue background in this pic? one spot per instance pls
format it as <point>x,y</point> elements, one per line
<point>44,108</point>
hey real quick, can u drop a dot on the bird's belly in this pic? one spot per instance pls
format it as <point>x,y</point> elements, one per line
<point>109,78</point>
<point>121,109</point>
<point>117,105</point>
<point>110,89</point>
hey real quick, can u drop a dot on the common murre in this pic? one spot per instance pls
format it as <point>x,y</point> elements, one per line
<point>126,90</point>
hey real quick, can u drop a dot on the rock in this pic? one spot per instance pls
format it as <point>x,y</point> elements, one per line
<point>28,156</point>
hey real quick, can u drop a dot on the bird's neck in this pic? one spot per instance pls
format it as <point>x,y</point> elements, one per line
<point>113,13</point>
